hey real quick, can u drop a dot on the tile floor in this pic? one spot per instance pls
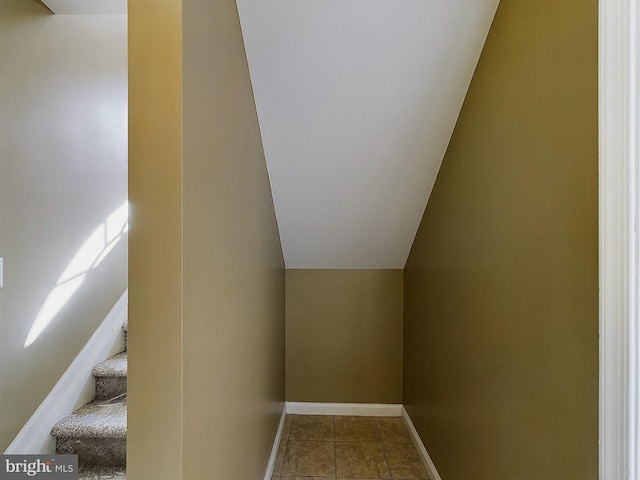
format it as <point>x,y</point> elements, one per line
<point>318,447</point>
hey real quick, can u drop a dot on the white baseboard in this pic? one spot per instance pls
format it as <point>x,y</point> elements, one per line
<point>75,387</point>
<point>431,468</point>
<point>276,445</point>
<point>356,409</point>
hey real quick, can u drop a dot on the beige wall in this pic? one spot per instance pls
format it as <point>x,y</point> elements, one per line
<point>63,171</point>
<point>501,287</point>
<point>234,283</point>
<point>344,336</point>
<point>207,274</point>
<point>155,240</point>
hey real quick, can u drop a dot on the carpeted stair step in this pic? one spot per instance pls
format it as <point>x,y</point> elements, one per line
<point>97,433</point>
<point>111,377</point>
<point>125,327</point>
<point>101,473</point>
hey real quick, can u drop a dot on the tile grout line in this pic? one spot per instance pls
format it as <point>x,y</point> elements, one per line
<point>335,450</point>
<point>286,446</point>
<point>383,449</point>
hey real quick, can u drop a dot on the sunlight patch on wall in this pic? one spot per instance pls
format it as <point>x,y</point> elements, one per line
<point>90,255</point>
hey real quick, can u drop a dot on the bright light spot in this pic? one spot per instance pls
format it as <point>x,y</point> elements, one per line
<point>90,255</point>
<point>104,253</point>
<point>117,222</point>
<point>58,297</point>
<point>86,255</point>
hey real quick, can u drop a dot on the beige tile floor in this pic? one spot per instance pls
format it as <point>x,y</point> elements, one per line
<point>318,447</point>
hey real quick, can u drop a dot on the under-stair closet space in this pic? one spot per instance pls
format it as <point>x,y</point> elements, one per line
<point>363,243</point>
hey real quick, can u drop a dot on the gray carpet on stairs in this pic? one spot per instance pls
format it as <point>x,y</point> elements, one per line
<point>101,473</point>
<point>111,377</point>
<point>95,420</point>
<point>97,432</point>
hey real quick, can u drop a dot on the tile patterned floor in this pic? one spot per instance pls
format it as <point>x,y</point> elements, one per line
<point>318,447</point>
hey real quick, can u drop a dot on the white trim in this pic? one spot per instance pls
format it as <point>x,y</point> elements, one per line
<point>633,433</point>
<point>355,409</point>
<point>75,387</point>
<point>84,7</point>
<point>276,445</point>
<point>619,247</point>
<point>428,463</point>
<point>634,156</point>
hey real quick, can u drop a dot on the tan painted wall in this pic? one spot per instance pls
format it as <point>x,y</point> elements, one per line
<point>207,274</point>
<point>344,336</point>
<point>234,282</point>
<point>501,286</point>
<point>155,240</point>
<point>63,104</point>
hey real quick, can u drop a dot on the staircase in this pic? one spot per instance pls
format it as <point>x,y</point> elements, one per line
<point>97,432</point>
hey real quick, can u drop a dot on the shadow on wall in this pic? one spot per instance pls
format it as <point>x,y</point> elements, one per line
<point>91,254</point>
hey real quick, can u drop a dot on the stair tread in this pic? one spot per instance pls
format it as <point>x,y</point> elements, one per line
<point>94,420</point>
<point>101,473</point>
<point>115,366</point>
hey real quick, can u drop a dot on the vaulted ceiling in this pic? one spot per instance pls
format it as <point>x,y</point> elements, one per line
<point>357,101</point>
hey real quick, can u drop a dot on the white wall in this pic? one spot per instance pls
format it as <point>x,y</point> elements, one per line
<point>63,171</point>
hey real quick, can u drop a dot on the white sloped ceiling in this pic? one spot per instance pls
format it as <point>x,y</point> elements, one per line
<point>357,100</point>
